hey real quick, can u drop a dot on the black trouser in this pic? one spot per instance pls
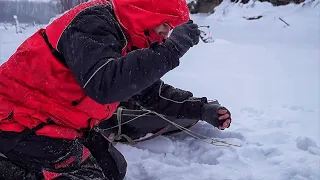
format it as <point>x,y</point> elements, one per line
<point>40,157</point>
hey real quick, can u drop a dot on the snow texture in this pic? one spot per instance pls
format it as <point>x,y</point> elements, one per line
<point>265,72</point>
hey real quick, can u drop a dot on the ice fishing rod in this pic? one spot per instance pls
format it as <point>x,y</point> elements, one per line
<point>206,37</point>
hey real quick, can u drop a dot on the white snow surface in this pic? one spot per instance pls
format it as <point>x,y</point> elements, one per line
<point>266,73</point>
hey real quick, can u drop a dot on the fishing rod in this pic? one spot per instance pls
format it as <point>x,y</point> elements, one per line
<point>206,36</point>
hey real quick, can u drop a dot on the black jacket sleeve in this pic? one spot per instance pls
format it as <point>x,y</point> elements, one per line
<point>92,45</point>
<point>168,100</point>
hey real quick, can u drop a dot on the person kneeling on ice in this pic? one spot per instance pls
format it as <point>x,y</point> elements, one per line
<point>60,92</point>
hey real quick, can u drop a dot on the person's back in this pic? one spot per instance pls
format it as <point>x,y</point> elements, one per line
<point>42,87</point>
<point>49,89</point>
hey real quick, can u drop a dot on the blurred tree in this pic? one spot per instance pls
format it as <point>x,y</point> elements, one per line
<point>65,5</point>
<point>203,6</point>
<point>207,6</point>
<point>27,11</point>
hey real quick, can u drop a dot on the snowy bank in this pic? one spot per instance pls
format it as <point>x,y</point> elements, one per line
<point>266,73</point>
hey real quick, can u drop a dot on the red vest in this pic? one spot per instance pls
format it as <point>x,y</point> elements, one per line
<point>35,86</point>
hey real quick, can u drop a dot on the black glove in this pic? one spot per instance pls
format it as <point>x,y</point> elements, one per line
<point>184,36</point>
<point>210,114</point>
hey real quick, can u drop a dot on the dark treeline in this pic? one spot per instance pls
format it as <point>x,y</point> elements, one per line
<point>41,12</point>
<point>27,11</point>
<point>34,11</point>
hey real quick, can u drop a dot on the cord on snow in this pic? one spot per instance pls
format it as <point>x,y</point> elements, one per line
<point>193,134</point>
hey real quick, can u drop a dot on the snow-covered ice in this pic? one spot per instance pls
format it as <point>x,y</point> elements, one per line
<point>266,73</point>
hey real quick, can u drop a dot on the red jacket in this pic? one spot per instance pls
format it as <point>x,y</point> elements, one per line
<point>36,86</point>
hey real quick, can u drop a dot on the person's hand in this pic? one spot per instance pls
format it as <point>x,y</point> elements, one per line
<point>216,115</point>
<point>184,36</point>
